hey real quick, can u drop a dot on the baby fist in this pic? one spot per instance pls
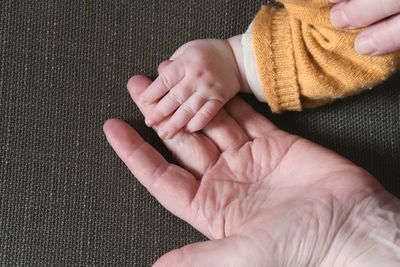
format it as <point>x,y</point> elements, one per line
<point>192,87</point>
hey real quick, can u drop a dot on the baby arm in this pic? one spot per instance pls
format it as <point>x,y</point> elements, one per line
<point>298,60</point>
<point>197,81</point>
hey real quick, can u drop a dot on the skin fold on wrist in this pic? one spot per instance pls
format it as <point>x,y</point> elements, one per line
<point>236,46</point>
<point>371,235</point>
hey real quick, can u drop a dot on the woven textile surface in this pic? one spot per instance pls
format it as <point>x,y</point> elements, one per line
<point>65,197</point>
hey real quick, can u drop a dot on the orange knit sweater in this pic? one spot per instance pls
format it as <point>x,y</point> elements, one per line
<point>304,62</point>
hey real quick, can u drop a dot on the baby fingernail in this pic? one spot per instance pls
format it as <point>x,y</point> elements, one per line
<point>339,18</point>
<point>162,134</point>
<point>149,122</point>
<point>144,100</point>
<point>365,46</point>
<point>189,129</point>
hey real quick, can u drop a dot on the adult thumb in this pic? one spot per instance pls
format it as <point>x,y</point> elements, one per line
<point>231,251</point>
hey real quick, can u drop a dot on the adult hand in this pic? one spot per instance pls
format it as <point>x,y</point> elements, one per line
<point>381,17</point>
<point>262,196</point>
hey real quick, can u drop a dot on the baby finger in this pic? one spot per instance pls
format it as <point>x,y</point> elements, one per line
<point>169,103</point>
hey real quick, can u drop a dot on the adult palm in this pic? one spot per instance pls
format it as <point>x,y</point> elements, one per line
<point>262,196</point>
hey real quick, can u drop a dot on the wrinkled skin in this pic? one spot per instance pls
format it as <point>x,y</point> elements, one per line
<point>262,196</point>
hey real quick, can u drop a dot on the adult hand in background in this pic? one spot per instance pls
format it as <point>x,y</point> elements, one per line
<point>381,17</point>
<point>262,196</point>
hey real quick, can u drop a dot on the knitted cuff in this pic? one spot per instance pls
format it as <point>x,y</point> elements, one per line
<point>273,46</point>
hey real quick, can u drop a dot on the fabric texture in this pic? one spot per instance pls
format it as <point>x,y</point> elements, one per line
<point>304,62</point>
<point>65,197</point>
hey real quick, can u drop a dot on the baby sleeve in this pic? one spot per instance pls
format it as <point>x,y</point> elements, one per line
<point>302,61</point>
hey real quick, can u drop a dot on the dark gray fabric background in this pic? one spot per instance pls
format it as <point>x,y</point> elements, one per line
<point>66,199</point>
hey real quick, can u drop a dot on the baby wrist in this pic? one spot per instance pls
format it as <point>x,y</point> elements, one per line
<point>236,46</point>
<point>242,45</point>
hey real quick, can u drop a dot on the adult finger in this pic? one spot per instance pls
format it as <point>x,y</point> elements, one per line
<point>170,75</point>
<point>254,124</point>
<point>173,187</point>
<point>362,13</point>
<point>231,251</point>
<point>222,130</point>
<point>381,38</point>
<point>195,152</point>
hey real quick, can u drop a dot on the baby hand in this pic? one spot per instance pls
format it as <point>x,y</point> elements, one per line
<point>193,86</point>
<point>383,18</point>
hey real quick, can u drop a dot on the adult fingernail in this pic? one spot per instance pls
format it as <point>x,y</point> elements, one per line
<point>338,17</point>
<point>365,46</point>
